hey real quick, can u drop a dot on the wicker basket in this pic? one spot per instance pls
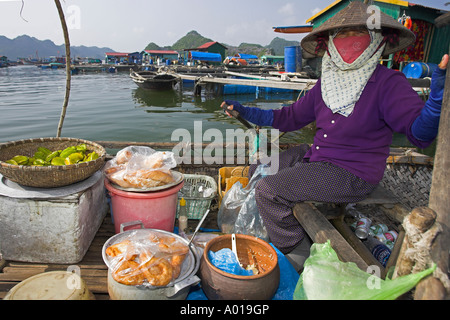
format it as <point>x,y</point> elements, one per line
<point>48,176</point>
<point>196,206</point>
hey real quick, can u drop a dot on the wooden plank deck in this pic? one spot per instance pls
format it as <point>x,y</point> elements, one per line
<point>92,268</point>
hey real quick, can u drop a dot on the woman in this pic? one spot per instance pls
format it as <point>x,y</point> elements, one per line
<point>357,105</point>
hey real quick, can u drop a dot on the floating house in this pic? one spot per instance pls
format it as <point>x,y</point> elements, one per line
<point>213,47</point>
<point>165,56</point>
<point>272,60</point>
<point>135,57</point>
<point>207,52</point>
<point>431,43</point>
<point>116,57</point>
<point>3,61</point>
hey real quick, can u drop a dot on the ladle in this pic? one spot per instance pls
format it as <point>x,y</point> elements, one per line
<point>233,247</point>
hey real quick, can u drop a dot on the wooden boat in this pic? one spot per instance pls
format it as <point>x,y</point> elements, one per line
<point>153,80</point>
<point>94,271</point>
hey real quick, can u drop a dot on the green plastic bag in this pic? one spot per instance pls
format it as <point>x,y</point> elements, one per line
<point>325,277</point>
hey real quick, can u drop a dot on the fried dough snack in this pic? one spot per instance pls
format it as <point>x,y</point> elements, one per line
<point>141,168</point>
<point>156,260</point>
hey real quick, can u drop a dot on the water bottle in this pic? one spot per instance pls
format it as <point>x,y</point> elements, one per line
<point>380,251</point>
<point>182,216</point>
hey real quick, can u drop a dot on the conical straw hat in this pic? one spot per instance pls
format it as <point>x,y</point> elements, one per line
<point>356,14</point>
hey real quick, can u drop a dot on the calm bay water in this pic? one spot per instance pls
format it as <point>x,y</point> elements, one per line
<point>105,106</point>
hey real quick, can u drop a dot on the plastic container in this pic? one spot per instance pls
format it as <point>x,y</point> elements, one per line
<point>220,285</point>
<point>292,59</point>
<point>196,206</point>
<point>182,216</point>
<point>156,209</point>
<point>417,70</point>
<point>54,285</point>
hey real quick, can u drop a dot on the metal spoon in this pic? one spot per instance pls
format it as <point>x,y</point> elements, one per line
<point>198,227</point>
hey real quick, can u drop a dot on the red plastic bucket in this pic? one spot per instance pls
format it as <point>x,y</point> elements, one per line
<point>156,210</point>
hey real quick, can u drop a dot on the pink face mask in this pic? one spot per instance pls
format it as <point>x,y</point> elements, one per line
<point>350,48</point>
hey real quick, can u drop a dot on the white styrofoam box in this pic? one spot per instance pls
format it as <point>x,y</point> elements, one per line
<point>57,230</point>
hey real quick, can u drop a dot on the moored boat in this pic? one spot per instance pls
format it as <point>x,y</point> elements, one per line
<point>94,271</point>
<point>153,80</point>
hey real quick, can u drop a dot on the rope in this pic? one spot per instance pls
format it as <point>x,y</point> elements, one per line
<point>420,248</point>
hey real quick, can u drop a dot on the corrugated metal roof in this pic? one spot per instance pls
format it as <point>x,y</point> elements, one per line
<point>117,54</point>
<point>161,51</point>
<point>207,45</point>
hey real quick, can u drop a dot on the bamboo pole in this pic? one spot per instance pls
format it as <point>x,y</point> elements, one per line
<point>68,73</point>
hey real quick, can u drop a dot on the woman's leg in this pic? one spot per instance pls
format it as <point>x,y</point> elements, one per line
<point>277,194</point>
<point>286,159</point>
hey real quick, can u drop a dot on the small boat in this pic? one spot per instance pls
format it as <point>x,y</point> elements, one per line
<point>153,80</point>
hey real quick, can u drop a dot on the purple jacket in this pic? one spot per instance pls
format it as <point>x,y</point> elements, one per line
<point>359,143</point>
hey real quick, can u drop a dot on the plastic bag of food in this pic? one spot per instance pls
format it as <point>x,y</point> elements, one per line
<point>150,259</point>
<point>325,277</point>
<point>140,167</point>
<point>239,212</point>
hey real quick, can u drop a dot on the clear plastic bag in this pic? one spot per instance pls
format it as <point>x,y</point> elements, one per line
<point>325,277</point>
<point>150,259</point>
<point>239,212</point>
<point>141,168</point>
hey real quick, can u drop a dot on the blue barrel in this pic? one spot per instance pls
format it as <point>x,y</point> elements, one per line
<point>417,70</point>
<point>292,59</point>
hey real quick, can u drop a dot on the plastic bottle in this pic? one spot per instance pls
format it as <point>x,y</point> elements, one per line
<point>182,216</point>
<point>380,251</point>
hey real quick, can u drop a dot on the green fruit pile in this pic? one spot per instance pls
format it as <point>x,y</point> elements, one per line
<point>46,157</point>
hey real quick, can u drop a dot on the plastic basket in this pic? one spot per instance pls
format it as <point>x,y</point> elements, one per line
<point>196,206</point>
<point>227,172</point>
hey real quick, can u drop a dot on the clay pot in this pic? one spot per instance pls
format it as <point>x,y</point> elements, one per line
<point>221,285</point>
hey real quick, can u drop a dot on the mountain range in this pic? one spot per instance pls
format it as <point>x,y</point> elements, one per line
<point>29,47</point>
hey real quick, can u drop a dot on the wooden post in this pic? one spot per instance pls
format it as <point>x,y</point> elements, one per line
<point>68,71</point>
<point>440,198</point>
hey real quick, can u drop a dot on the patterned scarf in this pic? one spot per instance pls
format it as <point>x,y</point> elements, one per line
<point>342,83</point>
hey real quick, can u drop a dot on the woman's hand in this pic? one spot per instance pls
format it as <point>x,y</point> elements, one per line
<point>444,62</point>
<point>226,106</point>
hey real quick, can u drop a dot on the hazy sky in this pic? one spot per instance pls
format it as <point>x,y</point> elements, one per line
<point>130,25</point>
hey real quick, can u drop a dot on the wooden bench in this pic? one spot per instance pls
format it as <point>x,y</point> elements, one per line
<point>349,248</point>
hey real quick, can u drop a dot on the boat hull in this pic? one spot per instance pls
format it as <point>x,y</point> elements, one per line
<point>153,81</point>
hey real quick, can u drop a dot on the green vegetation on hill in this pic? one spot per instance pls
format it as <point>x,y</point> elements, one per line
<point>30,47</point>
<point>193,39</point>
